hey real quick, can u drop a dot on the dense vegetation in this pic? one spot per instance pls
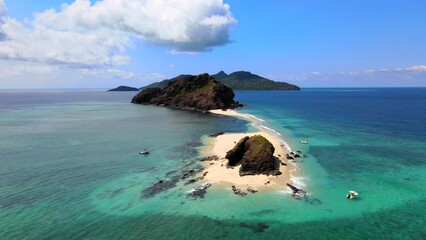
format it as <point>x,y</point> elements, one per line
<point>248,81</point>
<point>201,92</point>
<point>237,81</point>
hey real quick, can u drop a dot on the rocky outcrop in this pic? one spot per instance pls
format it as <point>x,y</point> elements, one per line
<point>235,155</point>
<point>255,155</point>
<point>145,96</point>
<point>200,92</point>
<point>123,89</point>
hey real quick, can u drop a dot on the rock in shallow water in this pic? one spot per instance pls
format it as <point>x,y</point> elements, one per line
<point>255,155</point>
<point>199,191</point>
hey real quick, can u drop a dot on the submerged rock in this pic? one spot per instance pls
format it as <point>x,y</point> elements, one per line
<point>255,155</point>
<point>160,186</point>
<point>171,180</point>
<point>216,134</point>
<point>256,228</point>
<point>209,158</point>
<point>238,191</point>
<point>199,191</point>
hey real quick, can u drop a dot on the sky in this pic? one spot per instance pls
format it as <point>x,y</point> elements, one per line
<point>316,43</point>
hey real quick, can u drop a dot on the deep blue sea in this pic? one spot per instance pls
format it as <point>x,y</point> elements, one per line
<point>70,167</point>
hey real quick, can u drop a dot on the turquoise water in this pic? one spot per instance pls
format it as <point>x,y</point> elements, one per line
<point>70,167</point>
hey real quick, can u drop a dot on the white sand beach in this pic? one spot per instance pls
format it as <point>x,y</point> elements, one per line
<point>218,172</point>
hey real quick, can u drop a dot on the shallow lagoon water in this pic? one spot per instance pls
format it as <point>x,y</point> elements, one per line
<point>71,168</point>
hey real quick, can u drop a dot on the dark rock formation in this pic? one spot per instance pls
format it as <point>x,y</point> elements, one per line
<point>216,134</point>
<point>236,154</point>
<point>209,158</point>
<point>145,96</point>
<point>171,180</point>
<point>160,186</point>
<point>249,189</point>
<point>123,89</point>
<point>238,191</point>
<point>297,192</point>
<point>255,155</point>
<point>200,92</point>
<point>199,191</point>
<point>256,228</point>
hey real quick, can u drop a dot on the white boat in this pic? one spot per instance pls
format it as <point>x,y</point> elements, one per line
<point>146,151</point>
<point>304,142</point>
<point>351,194</point>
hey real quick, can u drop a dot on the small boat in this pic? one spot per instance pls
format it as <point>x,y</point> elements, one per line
<point>351,194</point>
<point>304,142</point>
<point>146,151</point>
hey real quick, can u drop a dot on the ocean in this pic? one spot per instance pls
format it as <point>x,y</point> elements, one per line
<point>70,167</point>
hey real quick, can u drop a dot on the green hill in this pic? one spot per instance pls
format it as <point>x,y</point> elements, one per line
<point>241,80</point>
<point>165,82</point>
<point>247,81</point>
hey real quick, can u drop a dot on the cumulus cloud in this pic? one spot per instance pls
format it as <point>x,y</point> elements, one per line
<point>413,76</point>
<point>416,68</point>
<point>75,49</point>
<point>18,70</point>
<point>3,12</point>
<point>85,34</point>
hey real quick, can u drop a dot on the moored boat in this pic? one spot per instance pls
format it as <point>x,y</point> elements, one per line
<point>144,152</point>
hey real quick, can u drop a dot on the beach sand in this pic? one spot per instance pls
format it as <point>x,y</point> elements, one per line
<point>218,172</point>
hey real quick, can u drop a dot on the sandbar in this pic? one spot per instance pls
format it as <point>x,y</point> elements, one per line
<point>219,173</point>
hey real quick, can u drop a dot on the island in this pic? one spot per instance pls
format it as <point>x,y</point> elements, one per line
<point>248,162</point>
<point>123,89</point>
<point>244,162</point>
<point>201,93</point>
<point>241,80</point>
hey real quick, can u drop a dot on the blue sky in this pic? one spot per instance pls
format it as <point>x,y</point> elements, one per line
<point>309,43</point>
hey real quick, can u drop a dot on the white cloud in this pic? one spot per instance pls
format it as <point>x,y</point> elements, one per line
<point>413,76</point>
<point>107,73</point>
<point>155,76</point>
<point>416,68</point>
<point>25,69</point>
<point>83,34</point>
<point>75,49</point>
<point>3,12</point>
<point>179,52</point>
<point>186,25</point>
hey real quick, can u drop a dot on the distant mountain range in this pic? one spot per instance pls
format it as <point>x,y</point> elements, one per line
<point>241,80</point>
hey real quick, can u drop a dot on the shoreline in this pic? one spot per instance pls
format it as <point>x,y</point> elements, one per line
<point>218,172</point>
